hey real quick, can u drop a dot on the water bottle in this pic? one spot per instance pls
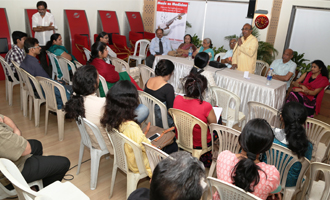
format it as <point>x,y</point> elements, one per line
<point>269,76</point>
<point>190,52</point>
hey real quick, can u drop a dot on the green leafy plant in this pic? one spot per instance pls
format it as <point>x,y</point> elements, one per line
<point>188,25</point>
<point>219,50</point>
<point>299,60</point>
<point>305,68</point>
<point>196,41</point>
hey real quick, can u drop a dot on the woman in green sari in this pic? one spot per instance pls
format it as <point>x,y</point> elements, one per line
<point>55,46</point>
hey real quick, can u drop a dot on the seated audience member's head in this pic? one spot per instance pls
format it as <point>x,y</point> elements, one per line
<point>31,46</point>
<point>181,178</point>
<point>164,68</point>
<point>187,39</point>
<point>232,43</point>
<point>85,82</point>
<point>121,102</point>
<point>318,66</point>
<point>98,50</point>
<point>294,116</point>
<point>207,43</point>
<point>194,86</point>
<point>55,39</point>
<point>200,61</point>
<point>19,38</point>
<point>102,37</point>
<point>159,32</point>
<point>256,137</point>
<point>287,55</point>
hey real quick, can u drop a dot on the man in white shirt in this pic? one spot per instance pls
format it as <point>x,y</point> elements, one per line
<point>43,24</point>
<point>158,46</point>
<point>227,58</point>
<point>284,69</point>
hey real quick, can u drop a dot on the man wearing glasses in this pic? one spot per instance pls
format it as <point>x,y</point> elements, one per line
<point>43,24</point>
<point>228,56</point>
<point>245,51</point>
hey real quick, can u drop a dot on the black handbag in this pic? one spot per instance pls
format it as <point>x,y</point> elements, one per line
<point>216,64</point>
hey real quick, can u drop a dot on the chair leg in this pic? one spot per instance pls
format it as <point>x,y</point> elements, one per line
<point>30,107</point>
<point>25,103</point>
<point>81,154</point>
<point>6,86</point>
<point>95,161</point>
<point>138,61</point>
<point>132,181</point>
<point>46,119</point>
<point>212,168</point>
<point>113,178</point>
<point>36,112</point>
<point>60,124</point>
<point>10,93</point>
<point>21,97</point>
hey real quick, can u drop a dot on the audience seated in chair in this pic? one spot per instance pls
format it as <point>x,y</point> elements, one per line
<point>158,46</point>
<point>292,135</point>
<point>104,37</point>
<point>179,178</point>
<point>192,103</point>
<point>27,155</point>
<point>244,169</point>
<point>16,53</point>
<point>160,89</point>
<point>85,103</point>
<point>98,54</point>
<point>32,66</point>
<point>54,45</point>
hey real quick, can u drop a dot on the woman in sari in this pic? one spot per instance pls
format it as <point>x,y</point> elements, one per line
<point>183,49</point>
<point>309,88</point>
<point>54,45</point>
<point>104,37</point>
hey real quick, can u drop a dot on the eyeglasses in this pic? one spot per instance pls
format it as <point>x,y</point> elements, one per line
<point>37,47</point>
<point>246,29</point>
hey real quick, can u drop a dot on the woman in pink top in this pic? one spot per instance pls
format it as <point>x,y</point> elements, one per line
<point>244,169</point>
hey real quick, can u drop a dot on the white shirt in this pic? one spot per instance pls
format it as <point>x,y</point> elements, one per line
<point>37,20</point>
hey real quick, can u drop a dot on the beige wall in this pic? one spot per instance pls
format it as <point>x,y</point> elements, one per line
<point>15,11</point>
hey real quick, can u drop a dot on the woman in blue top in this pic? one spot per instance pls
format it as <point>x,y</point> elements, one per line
<point>207,48</point>
<point>293,136</point>
<point>54,45</point>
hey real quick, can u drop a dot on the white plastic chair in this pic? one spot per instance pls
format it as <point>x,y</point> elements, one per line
<point>284,164</point>
<point>63,63</point>
<point>184,123</point>
<point>52,58</point>
<point>144,46</point>
<point>229,191</point>
<point>104,86</point>
<point>224,99</point>
<point>96,154</point>
<point>318,134</point>
<point>260,66</point>
<point>118,141</point>
<point>78,64</point>
<point>154,155</point>
<point>146,72</point>
<point>228,140</point>
<point>150,101</point>
<point>9,84</point>
<point>260,110</point>
<point>317,190</point>
<point>24,91</point>
<point>221,55</point>
<point>87,53</point>
<point>56,190</point>
<point>120,65</point>
<point>37,101</point>
<point>51,103</point>
<point>5,193</point>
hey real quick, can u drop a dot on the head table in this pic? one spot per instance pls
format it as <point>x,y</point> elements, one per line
<point>253,89</point>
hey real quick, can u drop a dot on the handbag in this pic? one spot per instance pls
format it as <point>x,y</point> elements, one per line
<point>166,135</point>
<point>216,64</point>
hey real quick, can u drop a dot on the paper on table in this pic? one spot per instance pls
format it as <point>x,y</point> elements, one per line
<point>246,75</point>
<point>217,111</point>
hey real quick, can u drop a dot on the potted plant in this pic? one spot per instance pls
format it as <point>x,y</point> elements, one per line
<point>299,60</point>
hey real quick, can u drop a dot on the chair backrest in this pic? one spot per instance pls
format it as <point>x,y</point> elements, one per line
<point>154,155</point>
<point>315,130</point>
<point>104,84</point>
<point>315,168</point>
<point>229,191</point>
<point>220,56</point>
<point>120,65</point>
<point>49,88</point>
<point>85,137</point>
<point>224,99</point>
<point>7,68</point>
<point>87,53</point>
<point>260,66</point>
<point>118,141</point>
<point>260,110</point>
<point>184,123</point>
<point>144,47</point>
<point>78,64</point>
<point>52,58</point>
<point>16,65</point>
<point>151,101</point>
<point>283,159</point>
<point>63,63</point>
<point>146,72</point>
<point>28,80</point>
<point>11,172</point>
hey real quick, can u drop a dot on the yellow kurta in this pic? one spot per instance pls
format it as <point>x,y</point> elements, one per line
<point>133,131</point>
<point>245,56</point>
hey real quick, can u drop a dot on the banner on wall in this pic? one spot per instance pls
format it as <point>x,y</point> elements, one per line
<point>171,17</point>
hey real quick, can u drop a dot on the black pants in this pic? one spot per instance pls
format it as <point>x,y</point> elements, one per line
<point>47,168</point>
<point>150,60</point>
<point>43,61</point>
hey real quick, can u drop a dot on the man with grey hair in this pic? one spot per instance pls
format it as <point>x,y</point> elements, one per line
<point>181,177</point>
<point>227,58</point>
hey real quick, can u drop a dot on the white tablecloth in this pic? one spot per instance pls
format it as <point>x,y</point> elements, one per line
<point>253,89</point>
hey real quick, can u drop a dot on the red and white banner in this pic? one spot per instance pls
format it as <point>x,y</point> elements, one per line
<point>171,17</point>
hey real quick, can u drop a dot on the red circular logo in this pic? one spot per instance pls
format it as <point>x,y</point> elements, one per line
<point>261,21</point>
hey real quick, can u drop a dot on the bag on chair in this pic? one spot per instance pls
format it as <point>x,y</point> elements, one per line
<point>166,135</point>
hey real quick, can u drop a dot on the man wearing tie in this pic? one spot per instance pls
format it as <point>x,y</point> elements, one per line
<point>158,46</point>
